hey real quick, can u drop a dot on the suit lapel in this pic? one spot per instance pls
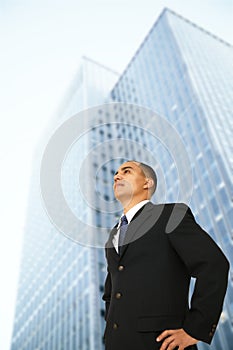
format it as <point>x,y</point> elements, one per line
<point>109,243</point>
<point>114,230</point>
<point>110,250</point>
<point>141,223</point>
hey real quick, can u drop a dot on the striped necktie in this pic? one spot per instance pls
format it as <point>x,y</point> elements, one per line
<point>123,229</point>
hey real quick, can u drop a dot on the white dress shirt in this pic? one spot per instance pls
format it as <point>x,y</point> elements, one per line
<point>129,215</point>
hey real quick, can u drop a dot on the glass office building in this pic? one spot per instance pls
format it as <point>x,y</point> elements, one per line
<point>59,303</point>
<point>183,74</point>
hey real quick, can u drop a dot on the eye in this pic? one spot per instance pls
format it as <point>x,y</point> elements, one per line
<point>126,171</point>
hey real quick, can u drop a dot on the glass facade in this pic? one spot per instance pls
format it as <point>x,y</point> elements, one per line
<point>185,74</point>
<point>59,303</point>
<point>182,73</point>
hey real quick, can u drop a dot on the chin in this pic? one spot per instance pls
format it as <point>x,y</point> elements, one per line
<point>118,196</point>
<point>123,197</point>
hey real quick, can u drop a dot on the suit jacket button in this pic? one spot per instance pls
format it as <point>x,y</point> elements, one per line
<point>210,334</point>
<point>121,268</point>
<point>118,295</point>
<point>115,326</point>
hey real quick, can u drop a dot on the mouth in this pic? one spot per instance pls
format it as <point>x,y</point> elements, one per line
<point>118,184</point>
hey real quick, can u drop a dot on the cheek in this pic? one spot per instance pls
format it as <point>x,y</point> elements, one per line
<point>137,185</point>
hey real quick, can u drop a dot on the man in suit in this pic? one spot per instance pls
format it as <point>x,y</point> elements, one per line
<point>151,255</point>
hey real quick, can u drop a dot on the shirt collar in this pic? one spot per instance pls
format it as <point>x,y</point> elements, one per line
<point>131,212</point>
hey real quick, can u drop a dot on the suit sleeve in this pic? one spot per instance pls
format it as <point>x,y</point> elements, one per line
<point>207,263</point>
<point>107,293</point>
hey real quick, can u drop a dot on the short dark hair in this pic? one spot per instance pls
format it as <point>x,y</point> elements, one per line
<point>148,172</point>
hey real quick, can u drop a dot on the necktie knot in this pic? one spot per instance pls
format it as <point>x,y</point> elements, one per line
<point>124,220</point>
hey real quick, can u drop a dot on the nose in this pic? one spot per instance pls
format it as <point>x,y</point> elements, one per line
<point>117,177</point>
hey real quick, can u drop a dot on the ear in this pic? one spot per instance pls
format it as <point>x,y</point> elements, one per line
<point>149,183</point>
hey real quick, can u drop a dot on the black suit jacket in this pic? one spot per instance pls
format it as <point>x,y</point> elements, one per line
<point>146,289</point>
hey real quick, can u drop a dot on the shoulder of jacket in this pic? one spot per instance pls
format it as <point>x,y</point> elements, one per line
<point>177,205</point>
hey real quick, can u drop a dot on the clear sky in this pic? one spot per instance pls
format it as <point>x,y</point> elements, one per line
<point>41,43</point>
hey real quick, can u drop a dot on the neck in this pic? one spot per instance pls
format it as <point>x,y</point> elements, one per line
<point>127,206</point>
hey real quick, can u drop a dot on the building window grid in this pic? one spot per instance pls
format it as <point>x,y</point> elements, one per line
<point>147,98</point>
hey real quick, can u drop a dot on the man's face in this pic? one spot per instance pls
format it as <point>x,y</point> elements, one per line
<point>129,182</point>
